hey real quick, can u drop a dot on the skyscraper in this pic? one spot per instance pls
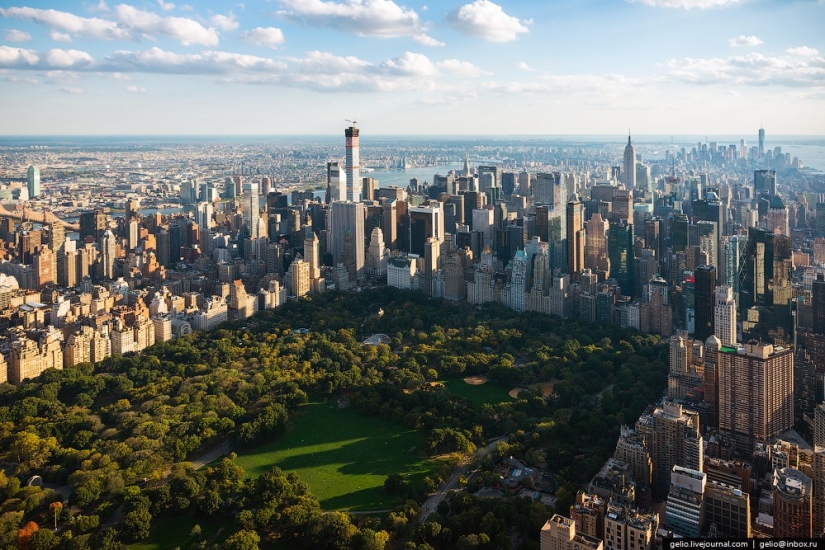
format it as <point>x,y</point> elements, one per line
<point>756,400</point>
<point>629,165</point>
<point>251,208</point>
<point>346,235</point>
<point>108,245</point>
<point>352,167</point>
<point>764,182</point>
<point>575,235</point>
<point>336,183</point>
<point>761,142</point>
<point>622,259</point>
<point>705,277</point>
<point>33,181</point>
<point>724,318</point>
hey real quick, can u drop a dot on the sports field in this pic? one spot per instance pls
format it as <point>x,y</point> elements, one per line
<point>343,456</point>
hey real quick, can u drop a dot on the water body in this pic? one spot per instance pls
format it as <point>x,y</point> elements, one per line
<point>402,178</point>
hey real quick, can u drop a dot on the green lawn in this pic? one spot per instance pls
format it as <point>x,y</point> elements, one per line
<point>173,532</point>
<point>478,395</point>
<point>343,456</point>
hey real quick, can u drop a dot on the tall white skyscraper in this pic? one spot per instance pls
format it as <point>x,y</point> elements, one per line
<point>629,165</point>
<point>251,208</point>
<point>353,168</point>
<point>725,316</point>
<point>108,249</point>
<point>33,181</point>
<point>761,142</point>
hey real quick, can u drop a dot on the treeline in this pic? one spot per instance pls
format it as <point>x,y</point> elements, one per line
<point>110,439</point>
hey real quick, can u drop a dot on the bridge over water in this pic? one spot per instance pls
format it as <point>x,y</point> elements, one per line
<point>25,213</point>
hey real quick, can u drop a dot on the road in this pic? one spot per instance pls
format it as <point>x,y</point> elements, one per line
<point>431,504</point>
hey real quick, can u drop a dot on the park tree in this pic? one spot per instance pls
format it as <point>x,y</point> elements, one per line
<point>243,540</point>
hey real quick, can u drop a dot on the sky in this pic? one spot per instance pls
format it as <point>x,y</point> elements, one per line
<point>447,67</point>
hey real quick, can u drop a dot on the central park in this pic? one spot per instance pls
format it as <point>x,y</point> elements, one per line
<point>329,442</point>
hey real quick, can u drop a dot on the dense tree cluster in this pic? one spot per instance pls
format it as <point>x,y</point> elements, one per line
<point>110,440</point>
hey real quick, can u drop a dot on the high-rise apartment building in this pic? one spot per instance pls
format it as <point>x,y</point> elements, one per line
<point>108,247</point>
<point>792,504</point>
<point>756,399</point>
<point>559,533</point>
<point>353,164</point>
<point>727,510</point>
<point>575,236</point>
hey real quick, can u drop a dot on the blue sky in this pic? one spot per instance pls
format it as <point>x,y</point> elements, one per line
<point>426,68</point>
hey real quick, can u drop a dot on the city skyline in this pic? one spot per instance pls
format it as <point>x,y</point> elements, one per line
<point>460,68</point>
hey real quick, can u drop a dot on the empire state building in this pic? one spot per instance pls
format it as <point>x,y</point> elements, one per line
<point>629,165</point>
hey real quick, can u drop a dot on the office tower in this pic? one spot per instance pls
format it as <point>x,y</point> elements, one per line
<point>728,509</point>
<point>705,291</point>
<point>764,182</point>
<point>251,208</point>
<point>368,188</point>
<point>792,504</point>
<point>336,183</point>
<point>684,512</point>
<point>33,181</point>
<point>575,236</point>
<point>483,221</point>
<point>629,165</point>
<point>559,533</point>
<point>761,142</point>
<point>132,209</point>
<point>557,237</point>
<point>595,250</point>
<point>765,288</point>
<point>352,167</point>
<point>735,253</point>
<point>92,224</point>
<point>509,183</point>
<point>778,217</point>
<point>488,176</point>
<point>108,244</point>
<point>647,268</point>
<point>819,490</point>
<point>525,189</point>
<point>620,251</point>
<point>724,317</point>
<point>550,189</point>
<point>425,222</point>
<point>818,305</point>
<point>456,264</point>
<point>755,392</point>
<point>712,209</point>
<point>347,219</point>
<point>644,181</point>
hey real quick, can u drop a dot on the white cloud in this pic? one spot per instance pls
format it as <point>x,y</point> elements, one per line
<point>21,80</point>
<point>187,31</point>
<point>58,36</point>
<point>487,20</point>
<point>375,18</point>
<point>135,89</point>
<point>64,59</point>
<point>15,35</point>
<point>17,57</point>
<point>687,4</point>
<point>226,22</point>
<point>743,40</point>
<point>804,51</point>
<point>461,68</point>
<point>166,6</point>
<point>410,64</point>
<point>525,67</point>
<point>753,69</point>
<point>69,22</point>
<point>264,36</point>
<point>131,24</point>
<point>72,90</point>
<point>426,40</point>
<point>121,76</point>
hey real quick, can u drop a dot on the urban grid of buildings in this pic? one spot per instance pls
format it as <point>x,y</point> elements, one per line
<point>729,268</point>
